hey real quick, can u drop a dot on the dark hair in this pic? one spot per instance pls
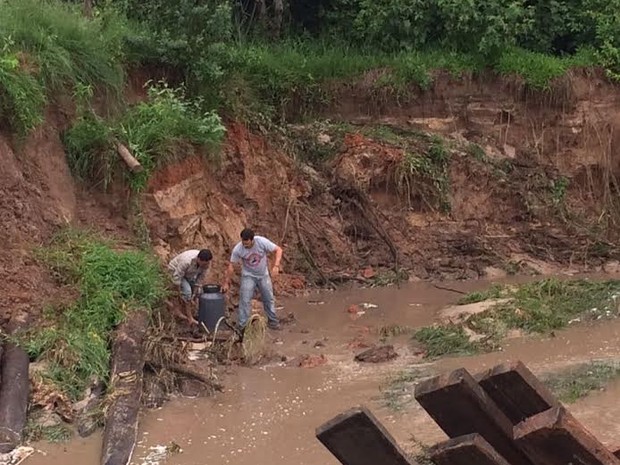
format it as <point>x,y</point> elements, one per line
<point>205,255</point>
<point>247,234</point>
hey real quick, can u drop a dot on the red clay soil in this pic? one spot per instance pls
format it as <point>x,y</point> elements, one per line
<point>338,219</point>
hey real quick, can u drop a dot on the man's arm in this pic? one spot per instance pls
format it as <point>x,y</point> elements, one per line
<point>230,270</point>
<point>276,264</point>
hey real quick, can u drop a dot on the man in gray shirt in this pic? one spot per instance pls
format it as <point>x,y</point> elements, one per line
<point>252,253</point>
<point>188,270</point>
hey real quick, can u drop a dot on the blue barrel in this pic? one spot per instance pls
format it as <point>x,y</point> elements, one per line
<point>211,306</point>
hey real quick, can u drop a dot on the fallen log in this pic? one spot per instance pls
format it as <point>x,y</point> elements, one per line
<point>356,437</point>
<point>460,406</point>
<point>555,437</point>
<point>516,391</point>
<point>14,392</point>
<point>471,449</point>
<point>125,391</point>
<point>132,163</point>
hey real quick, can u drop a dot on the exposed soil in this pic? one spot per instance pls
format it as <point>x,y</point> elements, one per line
<point>345,219</point>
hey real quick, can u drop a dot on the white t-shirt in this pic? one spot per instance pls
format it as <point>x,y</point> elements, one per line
<point>254,259</point>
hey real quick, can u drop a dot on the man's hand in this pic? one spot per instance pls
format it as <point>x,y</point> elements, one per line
<point>275,271</point>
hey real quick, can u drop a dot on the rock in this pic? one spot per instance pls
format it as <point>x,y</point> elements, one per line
<point>288,319</point>
<point>377,354</point>
<point>47,419</point>
<point>510,151</point>
<point>323,139</point>
<point>319,344</point>
<point>612,267</point>
<point>310,361</point>
<point>353,309</point>
<point>192,388</point>
<point>368,273</point>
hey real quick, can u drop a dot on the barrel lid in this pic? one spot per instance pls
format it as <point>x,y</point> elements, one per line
<point>211,288</point>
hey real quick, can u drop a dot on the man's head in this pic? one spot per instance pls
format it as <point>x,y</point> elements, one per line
<point>204,258</point>
<point>247,238</point>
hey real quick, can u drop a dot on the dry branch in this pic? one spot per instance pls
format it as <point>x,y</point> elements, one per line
<point>133,164</point>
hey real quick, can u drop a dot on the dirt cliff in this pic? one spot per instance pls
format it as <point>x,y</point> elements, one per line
<point>472,177</point>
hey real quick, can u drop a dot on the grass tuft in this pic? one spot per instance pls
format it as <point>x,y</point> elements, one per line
<point>443,340</point>
<point>577,382</point>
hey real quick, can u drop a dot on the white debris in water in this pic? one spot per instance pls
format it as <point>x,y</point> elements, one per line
<point>159,453</point>
<point>16,456</point>
<point>367,305</point>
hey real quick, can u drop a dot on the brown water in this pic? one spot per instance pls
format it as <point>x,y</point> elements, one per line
<point>268,415</point>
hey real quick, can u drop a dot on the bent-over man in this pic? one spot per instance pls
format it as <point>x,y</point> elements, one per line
<point>252,252</point>
<point>188,271</point>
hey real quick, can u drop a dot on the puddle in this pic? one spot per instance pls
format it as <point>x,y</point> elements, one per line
<point>268,415</point>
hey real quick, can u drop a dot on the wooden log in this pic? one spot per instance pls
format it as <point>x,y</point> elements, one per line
<point>516,391</point>
<point>131,162</point>
<point>125,392</point>
<point>356,437</point>
<point>471,449</point>
<point>460,407</point>
<point>555,437</point>
<point>14,394</point>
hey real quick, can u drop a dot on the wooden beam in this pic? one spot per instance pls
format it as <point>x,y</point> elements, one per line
<point>471,449</point>
<point>356,437</point>
<point>555,437</point>
<point>516,391</point>
<point>132,163</point>
<point>14,395</point>
<point>460,406</point>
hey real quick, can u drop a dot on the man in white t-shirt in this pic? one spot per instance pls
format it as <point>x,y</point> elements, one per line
<point>252,253</point>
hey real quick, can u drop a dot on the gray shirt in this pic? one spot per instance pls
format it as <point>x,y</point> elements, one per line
<point>185,266</point>
<point>254,259</point>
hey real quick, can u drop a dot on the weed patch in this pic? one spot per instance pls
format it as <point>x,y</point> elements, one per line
<point>35,432</point>
<point>577,382</point>
<point>550,304</point>
<point>111,283</point>
<point>443,340</point>
<point>398,392</point>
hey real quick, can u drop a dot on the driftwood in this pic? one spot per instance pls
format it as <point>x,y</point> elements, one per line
<point>121,422</point>
<point>188,373</point>
<point>89,410</point>
<point>355,437</point>
<point>14,392</point>
<point>133,164</point>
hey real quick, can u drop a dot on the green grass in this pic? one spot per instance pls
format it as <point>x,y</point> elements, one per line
<point>539,70</point>
<point>159,130</point>
<point>577,382</point>
<point>441,340</point>
<point>550,304</point>
<point>397,394</point>
<point>57,433</point>
<point>538,307</point>
<point>494,292</point>
<point>76,343</point>
<point>48,48</point>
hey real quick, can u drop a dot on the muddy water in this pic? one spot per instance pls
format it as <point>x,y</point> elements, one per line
<point>268,415</point>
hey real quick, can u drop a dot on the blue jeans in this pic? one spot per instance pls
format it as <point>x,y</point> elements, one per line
<point>187,289</point>
<point>246,292</point>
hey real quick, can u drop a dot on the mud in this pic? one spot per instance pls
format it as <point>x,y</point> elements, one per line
<point>268,414</point>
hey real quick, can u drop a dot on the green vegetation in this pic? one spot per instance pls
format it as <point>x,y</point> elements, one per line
<point>574,383</point>
<point>156,131</point>
<point>398,392</point>
<point>35,432</point>
<point>443,340</point>
<point>538,307</point>
<point>111,283</point>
